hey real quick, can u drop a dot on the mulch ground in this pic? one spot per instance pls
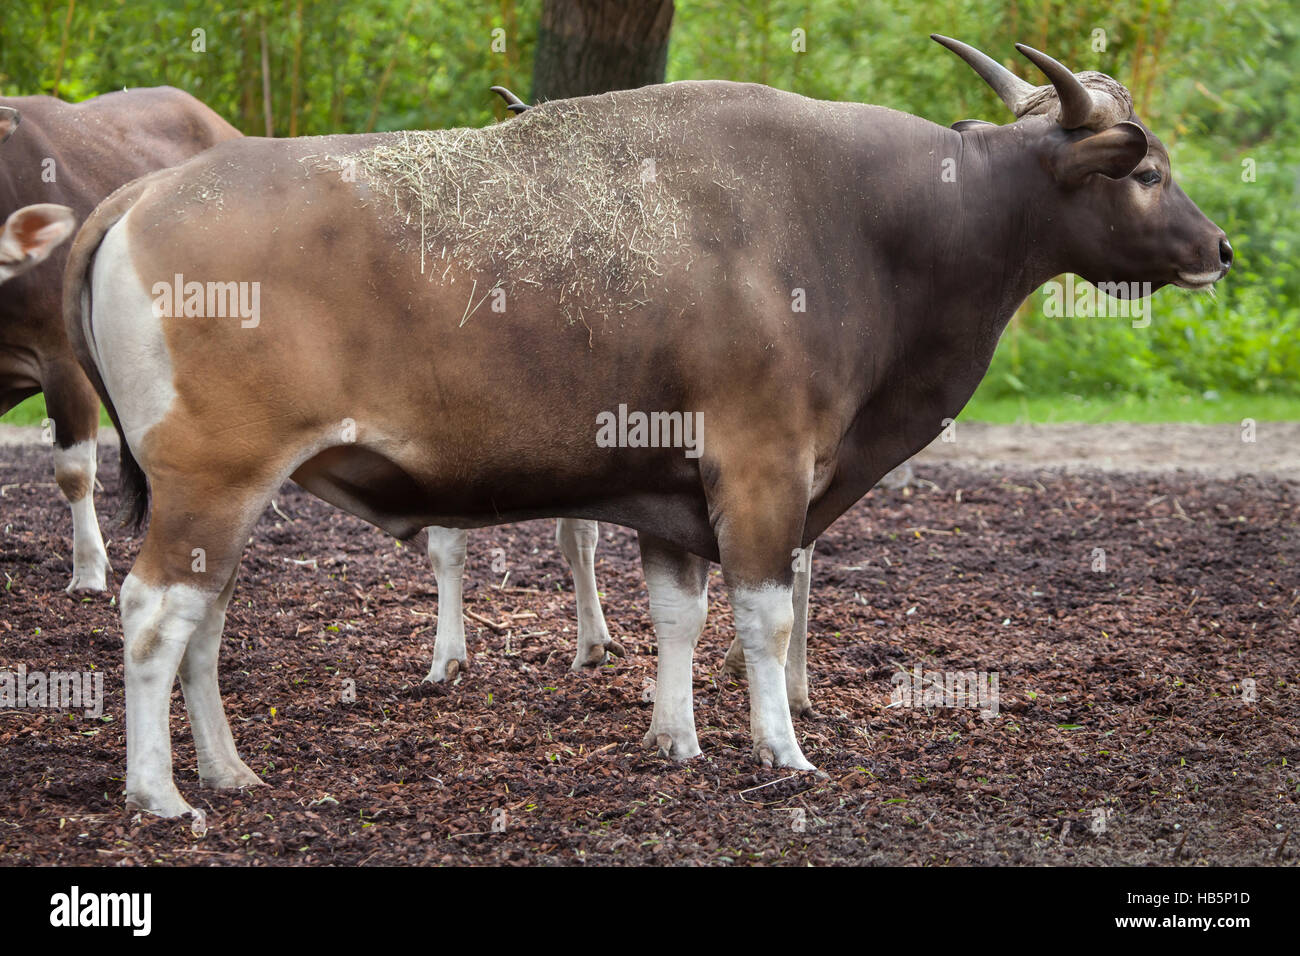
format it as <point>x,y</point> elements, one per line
<point>1128,729</point>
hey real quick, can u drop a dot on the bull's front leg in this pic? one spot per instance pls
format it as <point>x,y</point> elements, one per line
<point>796,662</point>
<point>73,408</point>
<point>758,502</point>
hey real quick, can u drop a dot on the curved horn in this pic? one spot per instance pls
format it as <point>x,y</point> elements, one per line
<point>1011,88</point>
<point>1077,105</point>
<point>513,103</point>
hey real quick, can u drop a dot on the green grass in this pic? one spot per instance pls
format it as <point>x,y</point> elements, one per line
<point>32,412</point>
<point>1127,407</point>
<point>1124,407</point>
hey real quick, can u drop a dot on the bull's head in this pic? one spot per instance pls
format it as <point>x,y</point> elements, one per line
<point>1123,218</point>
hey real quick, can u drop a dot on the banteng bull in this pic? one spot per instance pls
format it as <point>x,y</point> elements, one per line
<point>449,320</point>
<point>75,155</point>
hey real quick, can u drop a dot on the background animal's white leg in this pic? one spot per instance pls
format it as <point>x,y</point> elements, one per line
<point>157,624</point>
<point>219,763</point>
<point>447,555</point>
<point>678,586</point>
<point>74,470</point>
<point>577,539</point>
<point>796,658</point>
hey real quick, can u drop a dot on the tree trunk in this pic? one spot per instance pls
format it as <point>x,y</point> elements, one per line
<point>592,46</point>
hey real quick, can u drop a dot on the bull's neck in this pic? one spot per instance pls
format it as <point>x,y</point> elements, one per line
<point>990,241</point>
<point>956,248</point>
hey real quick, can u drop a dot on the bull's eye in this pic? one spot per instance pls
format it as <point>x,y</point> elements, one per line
<point>1149,178</point>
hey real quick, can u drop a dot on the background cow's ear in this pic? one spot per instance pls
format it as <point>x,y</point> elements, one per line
<point>962,125</point>
<point>1114,152</point>
<point>31,234</point>
<point>8,122</point>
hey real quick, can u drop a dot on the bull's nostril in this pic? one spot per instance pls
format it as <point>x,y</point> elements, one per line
<point>1225,253</point>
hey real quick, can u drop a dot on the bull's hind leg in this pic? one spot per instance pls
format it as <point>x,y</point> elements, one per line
<point>447,555</point>
<point>577,539</point>
<point>678,584</point>
<point>796,662</point>
<point>73,407</point>
<point>220,767</point>
<point>173,608</point>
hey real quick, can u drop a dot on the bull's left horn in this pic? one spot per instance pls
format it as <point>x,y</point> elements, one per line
<point>1077,106</point>
<point>513,103</point>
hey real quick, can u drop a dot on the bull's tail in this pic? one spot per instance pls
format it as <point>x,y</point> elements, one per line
<point>134,486</point>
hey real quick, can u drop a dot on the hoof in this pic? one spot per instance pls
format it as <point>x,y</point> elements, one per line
<point>682,745</point>
<point>597,655</point>
<point>803,708</point>
<point>773,756</point>
<point>93,578</point>
<point>446,672</point>
<point>166,805</point>
<point>230,778</point>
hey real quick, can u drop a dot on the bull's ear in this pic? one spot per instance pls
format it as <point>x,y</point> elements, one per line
<point>8,122</point>
<point>962,125</point>
<point>1114,152</point>
<point>31,234</point>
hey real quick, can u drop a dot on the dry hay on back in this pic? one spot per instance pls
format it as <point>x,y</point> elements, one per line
<point>565,198</point>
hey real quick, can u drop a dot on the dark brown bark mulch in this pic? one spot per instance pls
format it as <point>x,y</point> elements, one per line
<point>1126,731</point>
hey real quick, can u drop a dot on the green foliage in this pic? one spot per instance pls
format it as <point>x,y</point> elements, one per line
<point>1215,79</point>
<point>334,66</point>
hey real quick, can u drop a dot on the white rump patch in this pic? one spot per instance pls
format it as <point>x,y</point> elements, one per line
<point>131,351</point>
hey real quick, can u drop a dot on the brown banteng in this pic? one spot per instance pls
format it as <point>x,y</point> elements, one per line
<point>75,155</point>
<point>814,287</point>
